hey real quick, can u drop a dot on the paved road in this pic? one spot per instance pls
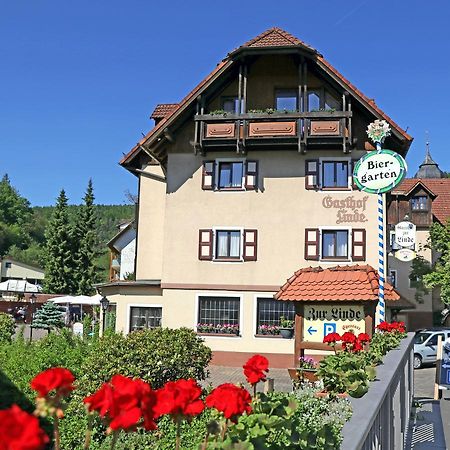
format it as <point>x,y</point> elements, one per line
<point>37,334</point>
<point>430,424</point>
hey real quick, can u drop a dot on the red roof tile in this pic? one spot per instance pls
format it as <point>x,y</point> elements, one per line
<point>163,110</point>
<point>440,187</point>
<point>275,37</point>
<point>340,283</point>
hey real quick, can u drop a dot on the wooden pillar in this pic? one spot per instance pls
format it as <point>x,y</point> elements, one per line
<point>298,336</point>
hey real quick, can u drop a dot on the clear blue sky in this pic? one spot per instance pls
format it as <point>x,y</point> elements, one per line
<point>78,80</point>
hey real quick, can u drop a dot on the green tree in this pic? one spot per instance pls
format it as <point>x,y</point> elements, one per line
<point>59,258</point>
<point>7,327</point>
<point>15,218</point>
<point>86,245</point>
<point>49,317</point>
<point>419,268</point>
<point>439,277</point>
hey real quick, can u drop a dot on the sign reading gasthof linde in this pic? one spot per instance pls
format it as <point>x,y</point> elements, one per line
<point>379,171</point>
<point>320,320</point>
<point>348,209</point>
<point>405,234</point>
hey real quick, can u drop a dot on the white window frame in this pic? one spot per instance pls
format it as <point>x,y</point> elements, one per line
<point>142,305</point>
<point>241,245</point>
<point>349,244</point>
<point>255,314</point>
<point>349,177</point>
<point>217,174</point>
<point>239,295</point>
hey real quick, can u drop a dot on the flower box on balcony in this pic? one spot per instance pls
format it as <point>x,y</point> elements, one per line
<point>269,129</point>
<point>220,130</point>
<point>325,128</point>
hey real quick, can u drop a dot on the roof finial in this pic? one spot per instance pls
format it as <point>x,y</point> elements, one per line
<point>427,145</point>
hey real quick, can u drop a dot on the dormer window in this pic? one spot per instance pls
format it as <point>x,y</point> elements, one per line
<point>286,100</point>
<point>230,105</point>
<point>321,99</point>
<point>419,203</point>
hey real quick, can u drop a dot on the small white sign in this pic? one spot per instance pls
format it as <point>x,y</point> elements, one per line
<point>77,329</point>
<point>405,254</point>
<point>405,234</point>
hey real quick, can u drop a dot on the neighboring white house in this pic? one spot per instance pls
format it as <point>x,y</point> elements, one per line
<point>123,251</point>
<point>11,269</point>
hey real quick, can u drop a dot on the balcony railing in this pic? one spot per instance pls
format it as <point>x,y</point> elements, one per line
<point>380,419</point>
<point>301,130</point>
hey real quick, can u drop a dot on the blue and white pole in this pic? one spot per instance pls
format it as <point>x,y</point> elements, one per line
<point>377,132</point>
<point>381,307</point>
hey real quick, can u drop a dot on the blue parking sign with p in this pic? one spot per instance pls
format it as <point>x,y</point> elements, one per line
<point>329,328</point>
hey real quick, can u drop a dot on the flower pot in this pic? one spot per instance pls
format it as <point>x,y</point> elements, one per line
<point>287,333</point>
<point>303,375</point>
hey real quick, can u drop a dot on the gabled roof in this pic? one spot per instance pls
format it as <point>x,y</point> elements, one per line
<point>439,187</point>
<point>272,38</point>
<point>339,283</point>
<point>276,37</point>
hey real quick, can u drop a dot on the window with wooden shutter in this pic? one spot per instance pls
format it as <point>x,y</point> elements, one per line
<point>312,243</point>
<point>311,174</point>
<point>250,245</point>
<point>205,245</point>
<point>251,175</point>
<point>354,186</point>
<point>208,175</point>
<point>359,244</point>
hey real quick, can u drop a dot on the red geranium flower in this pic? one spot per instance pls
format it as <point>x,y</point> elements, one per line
<point>364,338</point>
<point>179,399</point>
<point>348,337</point>
<point>56,379</point>
<point>231,400</point>
<point>357,347</point>
<point>124,402</point>
<point>255,367</point>
<point>20,431</point>
<point>331,338</point>
<point>383,326</point>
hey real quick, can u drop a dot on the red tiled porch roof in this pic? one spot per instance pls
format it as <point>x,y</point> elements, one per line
<point>340,283</point>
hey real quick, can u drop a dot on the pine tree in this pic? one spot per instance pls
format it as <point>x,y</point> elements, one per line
<point>86,240</point>
<point>59,258</point>
<point>49,317</point>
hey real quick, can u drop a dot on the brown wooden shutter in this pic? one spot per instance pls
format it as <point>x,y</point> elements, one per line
<point>352,167</point>
<point>359,244</point>
<point>208,175</point>
<point>205,245</point>
<point>312,243</point>
<point>250,245</point>
<point>311,174</point>
<point>251,175</point>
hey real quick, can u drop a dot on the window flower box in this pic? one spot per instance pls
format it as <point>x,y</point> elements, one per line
<point>226,329</point>
<point>269,330</point>
<point>269,129</point>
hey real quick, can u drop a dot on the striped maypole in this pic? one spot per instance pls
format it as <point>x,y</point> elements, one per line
<point>377,132</point>
<point>380,312</point>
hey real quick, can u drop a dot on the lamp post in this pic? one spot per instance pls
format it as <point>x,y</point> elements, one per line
<point>33,302</point>
<point>104,303</point>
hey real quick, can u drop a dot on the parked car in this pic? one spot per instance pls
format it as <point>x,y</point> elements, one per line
<point>425,345</point>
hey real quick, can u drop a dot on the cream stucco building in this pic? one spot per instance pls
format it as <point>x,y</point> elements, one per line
<point>245,181</point>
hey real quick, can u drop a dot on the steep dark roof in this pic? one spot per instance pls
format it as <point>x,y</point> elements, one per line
<point>429,168</point>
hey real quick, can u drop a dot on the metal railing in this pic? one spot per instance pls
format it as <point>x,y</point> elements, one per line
<point>380,418</point>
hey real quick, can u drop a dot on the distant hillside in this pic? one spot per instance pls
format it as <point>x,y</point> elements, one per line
<point>109,217</point>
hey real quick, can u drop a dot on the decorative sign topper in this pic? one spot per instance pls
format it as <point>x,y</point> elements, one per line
<point>405,234</point>
<point>405,254</point>
<point>379,171</point>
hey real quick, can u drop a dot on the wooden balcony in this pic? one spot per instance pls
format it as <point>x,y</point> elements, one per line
<point>301,131</point>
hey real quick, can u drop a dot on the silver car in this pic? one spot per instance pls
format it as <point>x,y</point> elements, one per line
<point>425,345</point>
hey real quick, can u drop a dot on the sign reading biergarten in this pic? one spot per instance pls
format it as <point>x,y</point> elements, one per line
<point>379,171</point>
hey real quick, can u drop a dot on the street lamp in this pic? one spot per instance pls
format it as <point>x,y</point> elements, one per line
<point>33,302</point>
<point>104,303</point>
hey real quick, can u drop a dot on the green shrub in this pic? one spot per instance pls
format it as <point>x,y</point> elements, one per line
<point>7,327</point>
<point>155,356</point>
